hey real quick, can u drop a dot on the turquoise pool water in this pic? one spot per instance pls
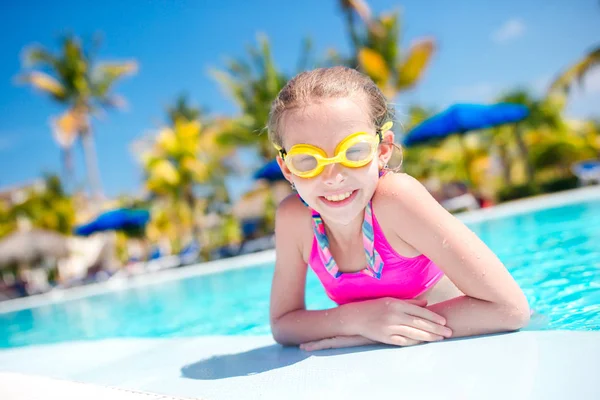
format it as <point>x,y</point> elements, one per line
<point>554,254</point>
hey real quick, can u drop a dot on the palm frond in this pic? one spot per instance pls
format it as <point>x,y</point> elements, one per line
<point>105,75</point>
<point>373,64</point>
<point>45,83</point>
<point>575,73</point>
<point>415,64</point>
<point>37,55</point>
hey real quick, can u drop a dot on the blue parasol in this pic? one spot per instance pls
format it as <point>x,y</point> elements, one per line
<point>114,220</point>
<point>270,172</point>
<point>461,118</point>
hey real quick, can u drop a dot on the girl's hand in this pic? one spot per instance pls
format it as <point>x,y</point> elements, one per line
<point>399,322</point>
<point>336,343</point>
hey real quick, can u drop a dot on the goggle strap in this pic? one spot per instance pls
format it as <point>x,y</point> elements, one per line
<point>386,127</point>
<point>280,150</point>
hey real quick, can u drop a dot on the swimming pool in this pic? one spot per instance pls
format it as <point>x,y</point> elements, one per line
<point>553,254</point>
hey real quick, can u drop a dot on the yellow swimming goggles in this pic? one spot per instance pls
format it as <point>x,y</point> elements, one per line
<point>355,151</point>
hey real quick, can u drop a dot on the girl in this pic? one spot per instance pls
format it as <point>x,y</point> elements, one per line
<point>400,267</point>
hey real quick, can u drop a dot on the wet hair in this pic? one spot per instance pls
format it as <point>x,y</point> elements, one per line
<point>328,83</point>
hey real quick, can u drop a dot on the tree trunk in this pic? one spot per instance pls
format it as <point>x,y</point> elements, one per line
<point>466,160</point>
<point>190,200</point>
<point>91,164</point>
<point>68,171</point>
<point>524,153</point>
<point>503,156</point>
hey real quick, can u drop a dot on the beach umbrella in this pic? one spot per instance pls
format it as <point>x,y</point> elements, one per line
<point>32,246</point>
<point>115,220</point>
<point>462,118</point>
<point>270,172</point>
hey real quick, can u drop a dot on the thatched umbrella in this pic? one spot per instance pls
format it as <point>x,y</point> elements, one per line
<point>29,247</point>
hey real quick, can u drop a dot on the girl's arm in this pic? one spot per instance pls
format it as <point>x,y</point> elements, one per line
<point>291,323</point>
<point>493,302</point>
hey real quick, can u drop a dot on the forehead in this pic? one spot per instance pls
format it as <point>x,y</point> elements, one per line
<point>326,123</point>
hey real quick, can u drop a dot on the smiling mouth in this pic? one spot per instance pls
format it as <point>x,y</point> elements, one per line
<point>339,197</point>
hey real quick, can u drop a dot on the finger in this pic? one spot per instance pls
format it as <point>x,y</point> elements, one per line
<point>336,342</point>
<point>316,345</point>
<point>399,340</point>
<point>417,302</point>
<point>416,334</point>
<point>424,313</point>
<point>426,325</point>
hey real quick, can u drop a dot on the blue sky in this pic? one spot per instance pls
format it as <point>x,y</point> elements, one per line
<point>485,47</point>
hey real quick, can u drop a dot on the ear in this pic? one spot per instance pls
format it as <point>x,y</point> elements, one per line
<point>287,174</point>
<point>386,148</point>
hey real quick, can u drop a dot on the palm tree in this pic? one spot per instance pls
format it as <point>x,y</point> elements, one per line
<point>546,142</point>
<point>182,109</point>
<point>181,158</point>
<point>376,49</point>
<point>542,113</point>
<point>173,165</point>
<point>216,168</point>
<point>562,84</point>
<point>46,208</point>
<point>253,86</point>
<point>83,86</point>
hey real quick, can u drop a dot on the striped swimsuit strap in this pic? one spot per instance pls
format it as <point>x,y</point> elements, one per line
<point>374,261</point>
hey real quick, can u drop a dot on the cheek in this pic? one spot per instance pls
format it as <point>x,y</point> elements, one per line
<point>305,186</point>
<point>370,173</point>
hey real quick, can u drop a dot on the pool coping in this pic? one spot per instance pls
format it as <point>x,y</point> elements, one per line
<point>118,283</point>
<point>18,386</point>
<point>522,365</point>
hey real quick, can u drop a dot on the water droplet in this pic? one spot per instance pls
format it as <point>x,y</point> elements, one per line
<point>445,244</point>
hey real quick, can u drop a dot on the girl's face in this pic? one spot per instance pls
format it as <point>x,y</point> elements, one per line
<point>339,193</point>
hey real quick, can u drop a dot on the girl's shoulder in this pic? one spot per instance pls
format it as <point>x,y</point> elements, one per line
<point>292,207</point>
<point>398,188</point>
<point>398,195</point>
<point>294,220</point>
<point>393,200</point>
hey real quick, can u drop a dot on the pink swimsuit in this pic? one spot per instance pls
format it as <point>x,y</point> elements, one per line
<point>398,276</point>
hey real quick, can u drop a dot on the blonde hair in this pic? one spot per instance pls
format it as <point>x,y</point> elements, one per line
<point>327,83</point>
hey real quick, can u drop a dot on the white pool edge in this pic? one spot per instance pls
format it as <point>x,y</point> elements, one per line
<point>529,204</point>
<point>251,260</point>
<point>123,282</point>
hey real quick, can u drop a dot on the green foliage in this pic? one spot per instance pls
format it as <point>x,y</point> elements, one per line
<point>253,85</point>
<point>559,184</point>
<point>49,208</point>
<point>376,49</point>
<point>514,192</point>
<point>183,110</point>
<point>80,83</point>
<point>552,185</point>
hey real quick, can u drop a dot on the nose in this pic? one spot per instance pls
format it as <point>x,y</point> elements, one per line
<point>333,175</point>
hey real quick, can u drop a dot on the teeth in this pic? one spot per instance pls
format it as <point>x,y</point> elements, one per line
<point>339,197</point>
